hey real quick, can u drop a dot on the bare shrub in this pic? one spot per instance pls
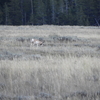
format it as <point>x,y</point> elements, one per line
<point>20,39</point>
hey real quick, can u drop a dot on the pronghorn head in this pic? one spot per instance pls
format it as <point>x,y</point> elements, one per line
<point>32,40</point>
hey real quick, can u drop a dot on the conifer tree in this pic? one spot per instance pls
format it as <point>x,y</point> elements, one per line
<point>58,12</point>
<point>31,17</point>
<point>1,16</point>
<point>80,17</point>
<point>15,12</point>
<point>22,13</point>
<point>40,12</point>
<point>53,10</point>
<point>6,14</point>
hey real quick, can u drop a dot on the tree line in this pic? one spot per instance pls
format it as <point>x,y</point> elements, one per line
<point>56,12</point>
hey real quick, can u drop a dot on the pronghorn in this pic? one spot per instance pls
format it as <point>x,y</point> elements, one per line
<point>36,42</point>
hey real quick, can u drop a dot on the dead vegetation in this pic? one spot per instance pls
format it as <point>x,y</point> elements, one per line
<point>66,67</point>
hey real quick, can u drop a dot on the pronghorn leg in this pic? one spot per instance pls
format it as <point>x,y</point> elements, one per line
<point>34,44</point>
<point>37,45</point>
<point>31,44</point>
<point>42,44</point>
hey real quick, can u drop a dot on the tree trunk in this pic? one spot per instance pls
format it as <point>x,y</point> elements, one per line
<point>97,22</point>
<point>53,11</point>
<point>22,12</point>
<point>32,11</point>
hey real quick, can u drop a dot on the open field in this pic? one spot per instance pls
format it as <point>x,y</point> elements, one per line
<point>66,67</point>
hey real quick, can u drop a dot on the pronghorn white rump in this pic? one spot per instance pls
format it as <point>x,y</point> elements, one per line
<point>36,42</point>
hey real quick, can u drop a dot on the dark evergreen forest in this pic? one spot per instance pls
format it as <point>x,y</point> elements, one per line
<point>56,12</point>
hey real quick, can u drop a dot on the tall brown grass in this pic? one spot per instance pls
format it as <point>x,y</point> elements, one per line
<point>54,75</point>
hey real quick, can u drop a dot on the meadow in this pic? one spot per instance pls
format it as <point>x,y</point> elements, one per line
<point>66,67</point>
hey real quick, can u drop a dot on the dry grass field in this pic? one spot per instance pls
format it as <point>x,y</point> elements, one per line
<point>66,67</point>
